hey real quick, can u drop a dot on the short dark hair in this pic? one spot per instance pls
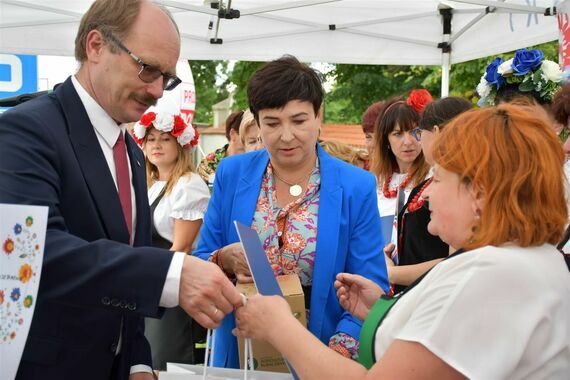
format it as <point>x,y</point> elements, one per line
<point>232,122</point>
<point>440,111</point>
<point>370,116</point>
<point>278,82</point>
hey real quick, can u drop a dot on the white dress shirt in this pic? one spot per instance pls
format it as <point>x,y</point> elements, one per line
<point>107,132</point>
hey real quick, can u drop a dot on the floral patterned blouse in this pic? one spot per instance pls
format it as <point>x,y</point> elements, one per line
<point>289,238</point>
<point>289,234</point>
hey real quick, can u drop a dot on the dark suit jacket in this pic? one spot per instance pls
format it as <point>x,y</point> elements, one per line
<point>92,281</point>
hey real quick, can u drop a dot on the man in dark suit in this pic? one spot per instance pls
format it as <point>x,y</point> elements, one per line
<point>68,150</point>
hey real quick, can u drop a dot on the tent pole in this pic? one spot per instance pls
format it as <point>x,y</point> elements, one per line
<point>445,66</point>
<point>445,46</point>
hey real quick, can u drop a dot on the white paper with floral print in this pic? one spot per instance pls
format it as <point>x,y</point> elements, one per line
<point>22,235</point>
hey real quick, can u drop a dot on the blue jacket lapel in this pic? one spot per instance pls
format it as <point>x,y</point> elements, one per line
<point>327,238</point>
<point>92,161</point>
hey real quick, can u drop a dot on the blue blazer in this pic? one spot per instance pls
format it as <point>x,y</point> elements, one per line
<point>348,237</point>
<point>92,281</point>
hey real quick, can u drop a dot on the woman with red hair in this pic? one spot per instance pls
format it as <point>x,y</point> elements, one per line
<point>496,309</point>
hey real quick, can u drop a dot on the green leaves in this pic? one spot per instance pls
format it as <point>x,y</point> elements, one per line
<point>526,85</point>
<point>208,91</point>
<point>351,88</point>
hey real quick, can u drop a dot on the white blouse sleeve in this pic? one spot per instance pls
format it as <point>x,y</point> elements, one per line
<point>189,198</point>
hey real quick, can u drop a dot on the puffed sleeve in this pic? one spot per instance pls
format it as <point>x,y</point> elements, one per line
<point>189,198</point>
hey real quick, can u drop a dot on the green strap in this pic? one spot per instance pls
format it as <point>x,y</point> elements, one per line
<point>369,327</point>
<point>366,355</point>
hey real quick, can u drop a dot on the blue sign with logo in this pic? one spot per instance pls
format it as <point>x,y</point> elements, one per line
<point>18,74</point>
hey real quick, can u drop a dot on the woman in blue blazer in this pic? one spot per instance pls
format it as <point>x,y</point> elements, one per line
<point>342,232</point>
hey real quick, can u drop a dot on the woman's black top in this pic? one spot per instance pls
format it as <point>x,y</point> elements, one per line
<point>416,244</point>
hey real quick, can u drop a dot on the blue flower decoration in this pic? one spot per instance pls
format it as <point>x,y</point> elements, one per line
<point>526,61</point>
<point>18,229</point>
<point>15,295</point>
<point>491,74</point>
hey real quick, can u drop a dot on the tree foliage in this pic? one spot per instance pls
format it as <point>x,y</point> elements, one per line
<point>358,86</point>
<point>208,93</point>
<point>354,87</point>
<point>242,71</point>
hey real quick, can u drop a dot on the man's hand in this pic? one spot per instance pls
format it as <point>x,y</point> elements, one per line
<point>356,294</point>
<point>233,261</point>
<point>206,294</point>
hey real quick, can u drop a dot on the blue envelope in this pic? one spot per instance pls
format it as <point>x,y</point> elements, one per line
<point>261,271</point>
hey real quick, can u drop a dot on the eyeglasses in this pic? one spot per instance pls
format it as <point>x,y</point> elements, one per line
<point>148,73</point>
<point>417,133</point>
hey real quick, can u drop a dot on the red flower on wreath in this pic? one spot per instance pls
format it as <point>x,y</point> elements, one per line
<point>419,99</point>
<point>1,297</point>
<point>8,246</point>
<point>178,126</point>
<point>147,119</point>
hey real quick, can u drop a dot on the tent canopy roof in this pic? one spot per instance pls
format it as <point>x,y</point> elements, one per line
<point>336,31</point>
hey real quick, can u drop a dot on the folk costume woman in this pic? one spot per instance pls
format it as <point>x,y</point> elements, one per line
<point>178,199</point>
<point>397,159</point>
<point>418,250</point>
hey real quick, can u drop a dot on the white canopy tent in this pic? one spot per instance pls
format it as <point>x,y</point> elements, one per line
<point>405,32</point>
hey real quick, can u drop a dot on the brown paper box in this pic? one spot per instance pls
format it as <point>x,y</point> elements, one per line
<point>265,357</point>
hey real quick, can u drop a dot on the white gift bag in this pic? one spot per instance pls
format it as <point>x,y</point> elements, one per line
<point>209,372</point>
<point>211,342</point>
<point>196,372</point>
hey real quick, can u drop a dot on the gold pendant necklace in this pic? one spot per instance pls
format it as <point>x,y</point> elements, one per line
<point>294,188</point>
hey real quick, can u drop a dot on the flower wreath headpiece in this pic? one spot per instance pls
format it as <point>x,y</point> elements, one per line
<point>186,135</point>
<point>528,69</point>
